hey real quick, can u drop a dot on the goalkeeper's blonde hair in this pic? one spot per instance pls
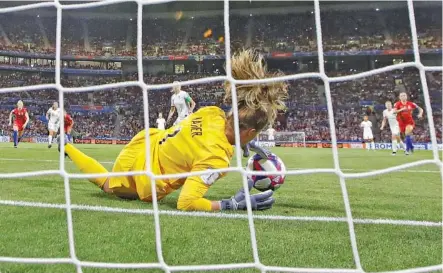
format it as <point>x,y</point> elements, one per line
<point>258,104</point>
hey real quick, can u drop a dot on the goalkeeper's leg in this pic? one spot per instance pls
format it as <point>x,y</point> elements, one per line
<point>87,165</point>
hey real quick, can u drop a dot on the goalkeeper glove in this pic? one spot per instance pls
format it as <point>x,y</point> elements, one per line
<point>246,150</point>
<point>264,154</point>
<point>253,146</point>
<point>259,201</point>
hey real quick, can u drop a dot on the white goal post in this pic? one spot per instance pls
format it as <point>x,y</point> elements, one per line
<point>237,167</point>
<point>290,139</point>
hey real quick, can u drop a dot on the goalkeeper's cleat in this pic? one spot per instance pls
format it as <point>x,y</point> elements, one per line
<point>59,142</point>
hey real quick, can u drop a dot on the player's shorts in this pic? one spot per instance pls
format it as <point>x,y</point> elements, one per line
<point>68,128</point>
<point>403,125</point>
<point>53,126</point>
<point>179,119</point>
<point>368,135</point>
<point>271,138</point>
<point>132,158</point>
<point>395,130</point>
<point>19,125</point>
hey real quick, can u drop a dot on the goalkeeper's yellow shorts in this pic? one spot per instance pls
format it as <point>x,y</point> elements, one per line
<point>133,158</point>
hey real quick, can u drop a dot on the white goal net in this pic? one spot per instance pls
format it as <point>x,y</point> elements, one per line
<point>257,263</point>
<point>283,139</point>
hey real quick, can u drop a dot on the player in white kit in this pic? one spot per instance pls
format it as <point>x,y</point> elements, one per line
<point>161,122</point>
<point>390,114</point>
<point>368,137</point>
<point>53,117</point>
<point>271,133</point>
<point>182,102</point>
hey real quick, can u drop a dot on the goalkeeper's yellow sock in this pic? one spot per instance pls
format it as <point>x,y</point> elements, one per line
<point>86,164</point>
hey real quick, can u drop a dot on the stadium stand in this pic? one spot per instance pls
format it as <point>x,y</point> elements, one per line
<point>121,113</point>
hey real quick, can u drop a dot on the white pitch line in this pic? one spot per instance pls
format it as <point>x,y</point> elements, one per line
<point>223,215</point>
<point>112,162</point>
<point>44,160</point>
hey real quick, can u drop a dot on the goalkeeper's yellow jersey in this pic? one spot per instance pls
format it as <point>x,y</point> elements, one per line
<point>197,143</point>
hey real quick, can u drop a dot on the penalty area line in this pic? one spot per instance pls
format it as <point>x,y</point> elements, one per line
<point>112,162</point>
<point>224,215</point>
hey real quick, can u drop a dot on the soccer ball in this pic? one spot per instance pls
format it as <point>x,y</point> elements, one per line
<point>266,182</point>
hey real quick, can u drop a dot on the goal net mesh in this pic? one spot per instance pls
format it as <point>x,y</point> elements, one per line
<point>257,264</point>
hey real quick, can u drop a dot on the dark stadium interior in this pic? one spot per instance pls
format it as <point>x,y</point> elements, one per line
<point>186,40</point>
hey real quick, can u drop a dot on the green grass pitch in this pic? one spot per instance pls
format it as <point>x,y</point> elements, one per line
<point>415,194</point>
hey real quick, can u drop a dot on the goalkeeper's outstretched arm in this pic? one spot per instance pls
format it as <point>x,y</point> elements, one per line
<point>191,197</point>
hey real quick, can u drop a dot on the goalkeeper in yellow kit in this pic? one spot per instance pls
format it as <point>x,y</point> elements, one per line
<point>202,141</point>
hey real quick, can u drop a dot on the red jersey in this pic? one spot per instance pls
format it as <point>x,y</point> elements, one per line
<point>68,121</point>
<point>405,116</point>
<point>20,115</point>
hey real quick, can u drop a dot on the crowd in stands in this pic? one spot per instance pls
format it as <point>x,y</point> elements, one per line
<point>306,104</point>
<point>342,31</point>
<point>348,101</point>
<point>345,30</point>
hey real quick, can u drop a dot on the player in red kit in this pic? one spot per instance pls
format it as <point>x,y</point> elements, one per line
<point>404,109</point>
<point>69,122</point>
<point>21,119</point>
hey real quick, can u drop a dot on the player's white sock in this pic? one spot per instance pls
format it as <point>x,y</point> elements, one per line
<point>402,145</point>
<point>372,145</point>
<point>50,140</point>
<point>368,145</point>
<point>394,145</point>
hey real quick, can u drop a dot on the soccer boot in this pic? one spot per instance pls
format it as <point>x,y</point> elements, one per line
<point>59,142</point>
<point>49,146</point>
<point>394,153</point>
